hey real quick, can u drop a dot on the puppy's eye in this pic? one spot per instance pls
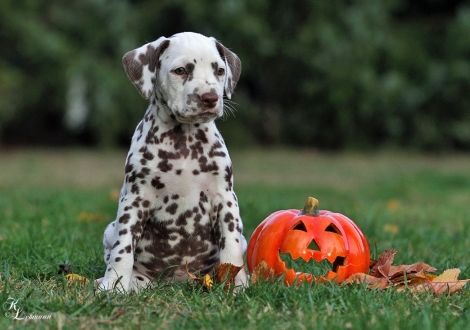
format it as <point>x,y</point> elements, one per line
<point>221,71</point>
<point>179,71</point>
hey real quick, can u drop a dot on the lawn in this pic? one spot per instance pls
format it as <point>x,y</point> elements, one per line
<point>55,204</point>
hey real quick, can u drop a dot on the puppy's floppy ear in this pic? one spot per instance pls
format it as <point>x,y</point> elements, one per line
<point>142,65</point>
<point>233,70</point>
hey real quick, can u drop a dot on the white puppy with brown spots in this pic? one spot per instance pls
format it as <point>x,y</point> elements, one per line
<point>177,206</point>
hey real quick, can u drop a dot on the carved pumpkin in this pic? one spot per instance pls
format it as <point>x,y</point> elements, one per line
<point>315,237</point>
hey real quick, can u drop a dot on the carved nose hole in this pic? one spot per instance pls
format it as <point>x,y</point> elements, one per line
<point>300,226</point>
<point>313,246</point>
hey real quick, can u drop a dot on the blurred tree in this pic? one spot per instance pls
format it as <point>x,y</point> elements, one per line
<point>357,73</point>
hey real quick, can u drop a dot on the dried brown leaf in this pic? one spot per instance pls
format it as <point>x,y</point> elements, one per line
<point>226,273</point>
<point>421,275</point>
<point>447,282</point>
<point>414,278</point>
<point>372,281</point>
<point>262,272</point>
<point>447,287</point>
<point>382,267</point>
<point>409,269</point>
<point>117,315</point>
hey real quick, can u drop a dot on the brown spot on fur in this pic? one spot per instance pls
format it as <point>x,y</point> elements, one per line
<point>213,151</point>
<point>228,217</point>
<point>172,208</point>
<point>146,153</point>
<point>194,98</point>
<point>201,136</point>
<point>165,166</point>
<point>205,166</point>
<point>124,218</point>
<point>228,177</point>
<point>157,184</point>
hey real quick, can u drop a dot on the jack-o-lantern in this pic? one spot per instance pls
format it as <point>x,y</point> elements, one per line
<point>312,236</point>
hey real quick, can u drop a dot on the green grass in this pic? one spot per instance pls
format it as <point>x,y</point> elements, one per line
<point>54,206</point>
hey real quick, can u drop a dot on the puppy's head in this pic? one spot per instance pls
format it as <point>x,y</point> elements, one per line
<point>187,72</point>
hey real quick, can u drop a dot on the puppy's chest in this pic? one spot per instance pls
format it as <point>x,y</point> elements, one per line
<point>178,159</point>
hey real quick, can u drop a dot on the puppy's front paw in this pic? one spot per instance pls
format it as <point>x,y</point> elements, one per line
<point>105,284</point>
<point>241,280</point>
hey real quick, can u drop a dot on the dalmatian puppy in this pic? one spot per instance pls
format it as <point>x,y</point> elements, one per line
<point>177,207</point>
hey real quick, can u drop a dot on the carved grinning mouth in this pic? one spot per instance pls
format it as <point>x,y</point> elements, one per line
<point>312,266</point>
<point>319,267</point>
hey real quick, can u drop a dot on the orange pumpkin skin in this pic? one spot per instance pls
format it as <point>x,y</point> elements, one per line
<point>339,239</point>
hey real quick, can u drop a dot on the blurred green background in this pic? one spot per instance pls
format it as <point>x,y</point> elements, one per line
<point>358,74</point>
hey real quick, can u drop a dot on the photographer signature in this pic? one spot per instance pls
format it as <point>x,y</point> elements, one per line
<point>14,311</point>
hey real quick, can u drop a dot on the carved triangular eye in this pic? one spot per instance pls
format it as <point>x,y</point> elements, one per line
<point>300,226</point>
<point>333,229</point>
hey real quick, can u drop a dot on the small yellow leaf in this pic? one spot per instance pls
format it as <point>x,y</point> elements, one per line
<point>392,229</point>
<point>207,281</point>
<point>89,217</point>
<point>393,204</point>
<point>448,275</point>
<point>75,278</point>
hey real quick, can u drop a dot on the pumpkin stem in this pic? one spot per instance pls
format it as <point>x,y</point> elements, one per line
<point>311,207</point>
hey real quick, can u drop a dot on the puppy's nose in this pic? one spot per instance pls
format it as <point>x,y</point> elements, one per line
<point>209,99</point>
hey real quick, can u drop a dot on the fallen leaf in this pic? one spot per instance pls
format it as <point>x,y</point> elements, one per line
<point>393,205</point>
<point>392,229</point>
<point>447,282</point>
<point>382,266</point>
<point>408,269</point>
<point>448,275</point>
<point>262,272</point>
<point>414,278</point>
<point>226,273</point>
<point>372,282</point>
<point>410,277</point>
<point>91,217</point>
<point>118,315</point>
<point>447,287</point>
<point>206,281</point>
<point>75,278</point>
